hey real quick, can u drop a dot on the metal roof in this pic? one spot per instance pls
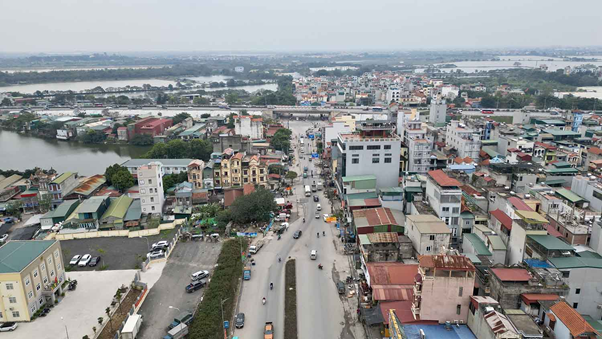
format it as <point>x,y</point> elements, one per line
<point>90,184</point>
<point>118,207</point>
<point>427,224</point>
<point>446,262</point>
<point>62,178</point>
<point>91,205</point>
<point>164,162</point>
<point>496,242</point>
<point>531,217</point>
<point>479,246</point>
<point>134,211</point>
<point>569,195</point>
<point>561,170</point>
<point>16,255</point>
<point>575,262</point>
<point>551,243</point>
<point>359,178</point>
<point>443,179</point>
<point>511,274</point>
<point>377,216</point>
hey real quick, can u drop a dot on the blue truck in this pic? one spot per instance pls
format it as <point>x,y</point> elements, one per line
<point>247,273</point>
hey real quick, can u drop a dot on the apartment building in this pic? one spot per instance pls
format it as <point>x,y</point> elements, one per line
<point>249,126</point>
<point>393,95</point>
<point>31,275</point>
<point>150,182</point>
<point>445,198</point>
<point>236,170</point>
<point>467,142</point>
<point>442,277</point>
<point>414,137</point>
<point>438,111</point>
<point>374,148</point>
<point>195,173</point>
<point>62,186</point>
<point>429,235</point>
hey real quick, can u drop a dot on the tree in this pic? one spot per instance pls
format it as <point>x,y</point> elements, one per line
<point>93,137</point>
<point>276,169</point>
<point>291,175</point>
<point>115,127</point>
<point>281,139</point>
<point>45,202</point>
<point>170,180</point>
<point>200,149</point>
<point>142,140</point>
<point>223,218</point>
<point>255,207</point>
<point>176,149</point>
<point>180,117</point>
<point>231,120</point>
<point>123,180</point>
<point>110,171</point>
<point>200,101</point>
<point>205,115</point>
<point>231,98</point>
<point>244,112</point>
<point>6,102</point>
<point>108,312</point>
<point>14,209</point>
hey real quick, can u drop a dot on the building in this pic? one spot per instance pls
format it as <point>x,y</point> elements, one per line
<point>445,197</point>
<point>152,126</point>
<point>122,134</point>
<point>442,277</point>
<point>89,212</point>
<point>377,220</point>
<point>62,186</point>
<point>88,187</point>
<point>429,235</point>
<point>236,170</point>
<point>31,275</point>
<point>466,142</point>
<point>566,323</point>
<point>150,182</point>
<point>249,126</point>
<point>438,112</point>
<point>487,322</point>
<point>393,95</point>
<point>59,214</point>
<point>195,173</point>
<point>375,148</point>
<point>527,223</point>
<point>414,138</point>
<point>381,247</point>
<point>168,166</point>
<point>113,217</point>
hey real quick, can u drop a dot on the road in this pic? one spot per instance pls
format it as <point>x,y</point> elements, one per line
<point>321,312</point>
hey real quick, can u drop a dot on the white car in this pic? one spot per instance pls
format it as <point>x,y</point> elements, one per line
<point>160,245</point>
<point>155,254</point>
<point>3,238</point>
<point>8,327</point>
<point>75,259</point>
<point>84,261</point>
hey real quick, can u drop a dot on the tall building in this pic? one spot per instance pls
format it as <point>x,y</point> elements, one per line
<point>393,95</point>
<point>31,276</point>
<point>437,111</point>
<point>249,126</point>
<point>448,278</point>
<point>373,149</point>
<point>466,142</point>
<point>445,198</point>
<point>195,173</point>
<point>150,182</point>
<point>414,137</point>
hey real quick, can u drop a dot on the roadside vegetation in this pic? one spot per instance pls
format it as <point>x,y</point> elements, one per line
<point>290,300</point>
<point>207,323</point>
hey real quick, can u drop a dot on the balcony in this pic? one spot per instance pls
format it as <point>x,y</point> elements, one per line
<point>418,289</point>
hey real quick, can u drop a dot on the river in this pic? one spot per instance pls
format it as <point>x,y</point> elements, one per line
<point>20,152</point>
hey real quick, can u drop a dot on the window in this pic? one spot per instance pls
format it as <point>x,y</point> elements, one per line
<point>30,295</point>
<point>49,260</point>
<point>43,267</point>
<point>387,160</point>
<point>12,300</point>
<point>575,305</point>
<point>142,191</point>
<point>152,208</point>
<point>51,273</point>
<point>141,182</point>
<point>356,148</point>
<point>456,210</point>
<point>38,287</point>
<point>454,220</point>
<point>35,273</point>
<point>355,161</point>
<point>577,291</point>
<point>58,266</point>
<point>428,248</point>
<point>16,314</point>
<point>375,160</point>
<point>150,181</point>
<point>373,147</point>
<point>460,291</point>
<point>458,309</point>
<point>9,286</point>
<point>445,209</point>
<point>152,199</point>
<point>431,237</point>
<point>387,146</point>
<point>143,201</point>
<point>467,222</point>
<point>565,274</point>
<point>41,301</point>
<point>45,280</point>
<point>27,281</point>
<point>56,254</point>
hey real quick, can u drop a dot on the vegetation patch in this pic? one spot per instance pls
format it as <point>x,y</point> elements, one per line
<point>207,323</point>
<point>290,301</point>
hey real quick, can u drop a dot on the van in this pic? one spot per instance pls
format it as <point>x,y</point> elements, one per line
<point>318,207</point>
<point>313,255</point>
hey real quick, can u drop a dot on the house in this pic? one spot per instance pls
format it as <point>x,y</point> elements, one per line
<point>381,247</point>
<point>429,234</point>
<point>249,126</point>
<point>168,166</point>
<point>113,217</point>
<point>487,321</point>
<point>122,134</point>
<point>445,197</point>
<point>62,186</point>
<point>88,187</point>
<point>566,323</point>
<point>195,173</point>
<point>89,212</point>
<point>377,220</point>
<point>59,214</point>
<point>31,276</point>
<point>133,214</point>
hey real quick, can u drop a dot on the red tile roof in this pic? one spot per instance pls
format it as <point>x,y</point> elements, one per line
<point>403,310</point>
<point>470,190</point>
<point>529,298</point>
<point>519,204</point>
<point>503,218</point>
<point>595,150</point>
<point>443,180</point>
<point>512,274</point>
<point>546,146</point>
<point>571,319</point>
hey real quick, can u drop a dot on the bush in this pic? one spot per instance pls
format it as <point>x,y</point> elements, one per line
<point>207,323</point>
<point>290,301</point>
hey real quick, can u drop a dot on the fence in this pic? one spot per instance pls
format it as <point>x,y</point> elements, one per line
<point>115,233</point>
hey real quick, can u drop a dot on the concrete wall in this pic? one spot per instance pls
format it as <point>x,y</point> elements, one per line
<point>508,294</point>
<point>437,289</point>
<point>588,280</point>
<point>116,233</point>
<point>388,173</point>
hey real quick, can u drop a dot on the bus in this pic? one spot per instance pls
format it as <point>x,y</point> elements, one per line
<point>307,191</point>
<point>486,111</point>
<point>377,109</point>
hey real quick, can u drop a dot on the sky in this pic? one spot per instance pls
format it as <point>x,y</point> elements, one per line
<point>56,26</point>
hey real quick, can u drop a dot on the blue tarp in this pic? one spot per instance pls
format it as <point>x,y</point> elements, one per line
<point>537,263</point>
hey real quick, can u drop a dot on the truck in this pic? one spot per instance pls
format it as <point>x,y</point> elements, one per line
<point>246,274</point>
<point>307,191</point>
<point>320,186</point>
<point>177,332</point>
<point>268,330</point>
<point>182,318</point>
<point>131,327</point>
<point>253,249</point>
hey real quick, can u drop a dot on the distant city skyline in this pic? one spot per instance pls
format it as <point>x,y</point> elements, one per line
<point>278,26</point>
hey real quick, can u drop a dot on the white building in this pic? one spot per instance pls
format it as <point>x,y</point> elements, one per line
<point>393,95</point>
<point>168,166</point>
<point>450,92</point>
<point>445,198</point>
<point>239,69</point>
<point>429,234</point>
<point>466,141</point>
<point>249,126</point>
<point>337,127</point>
<point>414,136</point>
<point>150,182</point>
<point>438,111</point>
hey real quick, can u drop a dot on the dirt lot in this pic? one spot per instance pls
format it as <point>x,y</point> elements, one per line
<point>188,257</point>
<point>117,253</point>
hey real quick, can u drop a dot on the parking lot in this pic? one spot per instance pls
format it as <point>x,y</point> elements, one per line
<point>188,257</point>
<point>117,253</point>
<point>79,310</point>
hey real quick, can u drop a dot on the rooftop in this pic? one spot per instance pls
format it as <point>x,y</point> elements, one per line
<point>502,218</point>
<point>90,184</point>
<point>575,262</point>
<point>59,180</point>
<point>428,223</point>
<point>443,179</point>
<point>551,243</point>
<point>16,255</point>
<point>377,217</point>
<point>571,319</point>
<point>390,273</point>
<point>446,262</point>
<point>164,162</point>
<point>479,246</point>
<point>91,205</point>
<point>359,178</point>
<point>118,207</point>
<point>512,274</point>
<point>569,195</point>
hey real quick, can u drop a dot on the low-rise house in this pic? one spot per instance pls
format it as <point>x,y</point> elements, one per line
<point>195,173</point>
<point>89,212</point>
<point>88,187</point>
<point>566,323</point>
<point>429,234</point>
<point>381,247</point>
<point>62,186</point>
<point>113,217</point>
<point>377,220</point>
<point>59,214</point>
<point>133,214</point>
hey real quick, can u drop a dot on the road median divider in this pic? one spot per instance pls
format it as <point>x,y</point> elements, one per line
<point>290,300</point>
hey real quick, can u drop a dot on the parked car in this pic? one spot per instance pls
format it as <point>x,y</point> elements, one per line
<point>3,238</point>
<point>240,320</point>
<point>94,261</point>
<point>8,327</point>
<point>84,261</point>
<point>317,215</point>
<point>195,285</point>
<point>75,260</point>
<point>297,234</point>
<point>199,275</point>
<point>316,198</point>
<point>160,245</point>
<point>341,287</point>
<point>155,254</point>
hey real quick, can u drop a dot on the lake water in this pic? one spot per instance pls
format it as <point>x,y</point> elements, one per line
<point>45,70</point>
<point>590,92</point>
<point>21,152</point>
<point>165,113</point>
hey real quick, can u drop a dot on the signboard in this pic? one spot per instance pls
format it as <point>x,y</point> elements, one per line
<point>246,234</point>
<point>331,219</point>
<point>314,155</point>
<point>311,136</point>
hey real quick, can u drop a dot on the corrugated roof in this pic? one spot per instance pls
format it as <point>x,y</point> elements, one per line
<point>427,223</point>
<point>571,319</point>
<point>479,246</point>
<point>59,180</point>
<point>164,162</point>
<point>134,211</point>
<point>502,218</point>
<point>531,217</point>
<point>118,207</point>
<point>389,273</point>
<point>90,184</point>
<point>528,298</point>
<point>383,237</point>
<point>569,195</point>
<point>16,255</point>
<point>561,170</point>
<point>512,274</point>
<point>392,292</point>
<point>551,243</point>
<point>443,179</point>
<point>446,262</point>
<point>91,205</point>
<point>377,216</point>
<point>496,242</point>
<point>575,262</point>
<point>7,182</point>
<point>63,209</point>
<point>359,178</point>
<point>519,204</point>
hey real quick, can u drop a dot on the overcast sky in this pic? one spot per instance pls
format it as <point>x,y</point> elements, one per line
<point>287,25</point>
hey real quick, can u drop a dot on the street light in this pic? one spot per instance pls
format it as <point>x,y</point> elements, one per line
<point>222,307</point>
<point>147,244</point>
<point>66,332</point>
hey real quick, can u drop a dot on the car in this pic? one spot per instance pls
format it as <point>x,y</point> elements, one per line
<point>94,261</point>
<point>84,261</point>
<point>8,327</point>
<point>317,215</point>
<point>316,198</point>
<point>160,245</point>
<point>75,259</point>
<point>341,287</point>
<point>297,234</point>
<point>240,320</point>
<point>154,254</point>
<point>318,207</point>
<point>3,238</point>
<point>313,255</point>
<point>195,285</point>
<point>199,275</point>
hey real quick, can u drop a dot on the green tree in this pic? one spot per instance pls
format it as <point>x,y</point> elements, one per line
<point>281,139</point>
<point>176,149</point>
<point>255,207</point>
<point>200,149</point>
<point>123,100</point>
<point>93,137</point>
<point>6,102</point>
<point>231,98</point>
<point>180,117</point>
<point>291,175</point>
<point>45,202</point>
<point>205,115</point>
<point>200,101</point>
<point>231,120</point>
<point>122,180</point>
<point>244,112</point>
<point>14,209</point>
<point>110,171</point>
<point>142,140</point>
<point>159,151</point>
<point>170,180</point>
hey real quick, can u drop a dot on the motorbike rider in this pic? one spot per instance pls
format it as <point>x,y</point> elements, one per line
<point>263,300</point>
<point>271,285</point>
<point>324,233</point>
<point>318,234</point>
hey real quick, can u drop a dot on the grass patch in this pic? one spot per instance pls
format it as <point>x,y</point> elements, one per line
<point>290,300</point>
<point>207,323</point>
<point>167,234</point>
<point>507,120</point>
<point>100,250</point>
<point>104,267</point>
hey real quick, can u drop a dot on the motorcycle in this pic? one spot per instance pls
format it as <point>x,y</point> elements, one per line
<point>320,266</point>
<point>324,233</point>
<point>278,236</point>
<point>263,301</point>
<point>271,286</point>
<point>304,220</point>
<point>318,234</point>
